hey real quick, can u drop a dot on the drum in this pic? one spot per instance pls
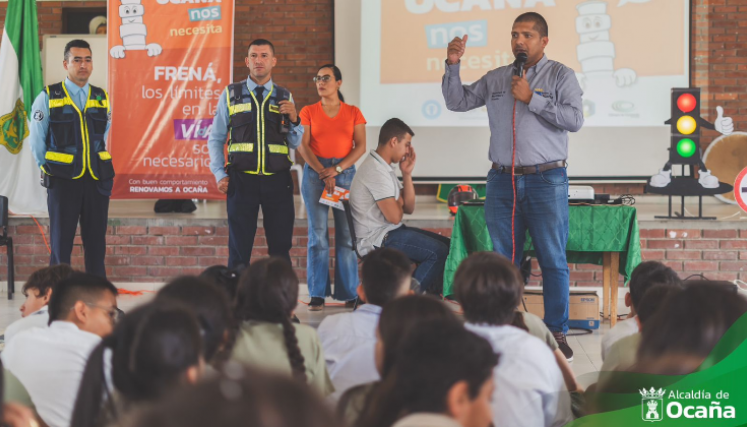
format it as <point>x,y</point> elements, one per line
<point>725,157</point>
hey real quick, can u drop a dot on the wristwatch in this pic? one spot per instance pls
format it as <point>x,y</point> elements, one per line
<point>338,169</point>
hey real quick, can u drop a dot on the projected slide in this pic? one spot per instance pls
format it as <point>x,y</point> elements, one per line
<point>627,55</point>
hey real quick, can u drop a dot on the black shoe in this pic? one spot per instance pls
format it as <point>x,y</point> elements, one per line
<point>563,345</point>
<point>316,304</point>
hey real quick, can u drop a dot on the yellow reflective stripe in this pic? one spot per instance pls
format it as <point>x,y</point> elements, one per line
<point>83,128</point>
<point>239,108</point>
<point>59,157</point>
<point>92,103</point>
<point>262,117</point>
<point>104,155</point>
<point>57,103</point>
<point>246,147</point>
<point>277,148</point>
<point>259,135</point>
<point>274,109</point>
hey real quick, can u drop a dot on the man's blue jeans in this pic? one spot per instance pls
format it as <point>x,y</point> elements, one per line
<point>542,208</point>
<point>317,257</point>
<point>429,250</point>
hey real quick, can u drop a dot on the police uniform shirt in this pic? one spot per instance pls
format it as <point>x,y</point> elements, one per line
<point>219,131</point>
<point>40,118</point>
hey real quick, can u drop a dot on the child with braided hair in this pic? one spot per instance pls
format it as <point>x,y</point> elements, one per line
<point>266,338</point>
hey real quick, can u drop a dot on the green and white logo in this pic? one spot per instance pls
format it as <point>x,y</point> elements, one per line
<point>652,404</point>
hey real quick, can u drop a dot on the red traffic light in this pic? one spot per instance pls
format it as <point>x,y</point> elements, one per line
<point>686,102</point>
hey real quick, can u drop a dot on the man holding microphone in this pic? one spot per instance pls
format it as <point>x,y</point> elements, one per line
<point>531,108</point>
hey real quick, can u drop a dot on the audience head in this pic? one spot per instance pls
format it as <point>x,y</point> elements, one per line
<point>332,85</point>
<point>155,348</point>
<point>241,397</point>
<point>441,368</point>
<point>224,278</point>
<point>386,275</point>
<point>397,318</point>
<point>489,287</point>
<point>652,301</point>
<point>88,301</point>
<point>38,289</point>
<point>209,304</point>
<point>688,326</point>
<point>646,275</point>
<point>268,292</point>
<point>395,139</point>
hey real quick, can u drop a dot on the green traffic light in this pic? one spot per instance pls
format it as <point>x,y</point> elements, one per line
<point>686,147</point>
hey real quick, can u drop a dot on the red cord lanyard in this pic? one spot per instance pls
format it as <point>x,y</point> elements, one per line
<point>513,188</point>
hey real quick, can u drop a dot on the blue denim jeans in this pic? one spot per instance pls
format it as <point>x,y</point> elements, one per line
<point>542,208</point>
<point>317,258</point>
<point>429,250</point>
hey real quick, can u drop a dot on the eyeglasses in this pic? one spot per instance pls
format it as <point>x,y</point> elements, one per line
<point>324,78</point>
<point>114,312</point>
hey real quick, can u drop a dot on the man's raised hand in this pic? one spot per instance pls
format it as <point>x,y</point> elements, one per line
<point>456,49</point>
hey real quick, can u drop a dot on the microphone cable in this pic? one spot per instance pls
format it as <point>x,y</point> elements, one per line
<point>513,187</point>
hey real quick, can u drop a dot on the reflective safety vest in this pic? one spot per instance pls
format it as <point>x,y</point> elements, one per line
<point>75,140</point>
<point>255,143</point>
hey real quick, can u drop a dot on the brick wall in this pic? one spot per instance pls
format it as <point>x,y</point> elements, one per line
<point>717,254</point>
<point>141,252</point>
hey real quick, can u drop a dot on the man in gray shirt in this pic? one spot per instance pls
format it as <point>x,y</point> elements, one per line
<point>530,117</point>
<point>378,202</point>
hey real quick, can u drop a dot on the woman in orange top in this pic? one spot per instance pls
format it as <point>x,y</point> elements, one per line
<point>334,139</point>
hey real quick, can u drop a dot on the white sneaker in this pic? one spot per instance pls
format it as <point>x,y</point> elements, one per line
<point>661,179</point>
<point>707,180</point>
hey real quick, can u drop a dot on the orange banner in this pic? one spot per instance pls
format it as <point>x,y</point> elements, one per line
<point>169,61</point>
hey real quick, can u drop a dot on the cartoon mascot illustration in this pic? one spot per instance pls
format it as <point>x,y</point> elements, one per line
<point>133,31</point>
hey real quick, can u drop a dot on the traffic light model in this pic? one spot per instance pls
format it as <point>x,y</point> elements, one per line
<point>685,124</point>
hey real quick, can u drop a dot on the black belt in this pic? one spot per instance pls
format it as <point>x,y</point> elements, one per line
<point>528,170</point>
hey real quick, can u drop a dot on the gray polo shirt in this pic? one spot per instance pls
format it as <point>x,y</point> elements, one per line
<point>542,126</point>
<point>374,180</point>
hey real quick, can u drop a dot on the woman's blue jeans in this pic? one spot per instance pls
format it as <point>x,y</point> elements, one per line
<point>317,258</point>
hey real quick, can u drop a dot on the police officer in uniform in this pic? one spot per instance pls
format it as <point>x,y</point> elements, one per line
<point>262,125</point>
<point>69,127</point>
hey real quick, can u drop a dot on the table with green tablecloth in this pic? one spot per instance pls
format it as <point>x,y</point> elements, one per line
<point>605,235</point>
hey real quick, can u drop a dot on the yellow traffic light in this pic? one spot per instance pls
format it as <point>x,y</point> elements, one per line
<point>686,125</point>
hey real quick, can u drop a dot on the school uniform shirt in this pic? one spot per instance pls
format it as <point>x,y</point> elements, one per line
<point>622,329</point>
<point>342,333</point>
<point>622,355</point>
<point>37,319</point>
<point>529,387</point>
<point>262,344</point>
<point>356,368</point>
<point>49,362</point>
<point>423,419</point>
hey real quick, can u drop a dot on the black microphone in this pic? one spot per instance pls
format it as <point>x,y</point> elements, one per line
<point>521,59</point>
<point>285,122</point>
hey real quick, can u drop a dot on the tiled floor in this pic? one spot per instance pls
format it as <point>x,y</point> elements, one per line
<point>587,348</point>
